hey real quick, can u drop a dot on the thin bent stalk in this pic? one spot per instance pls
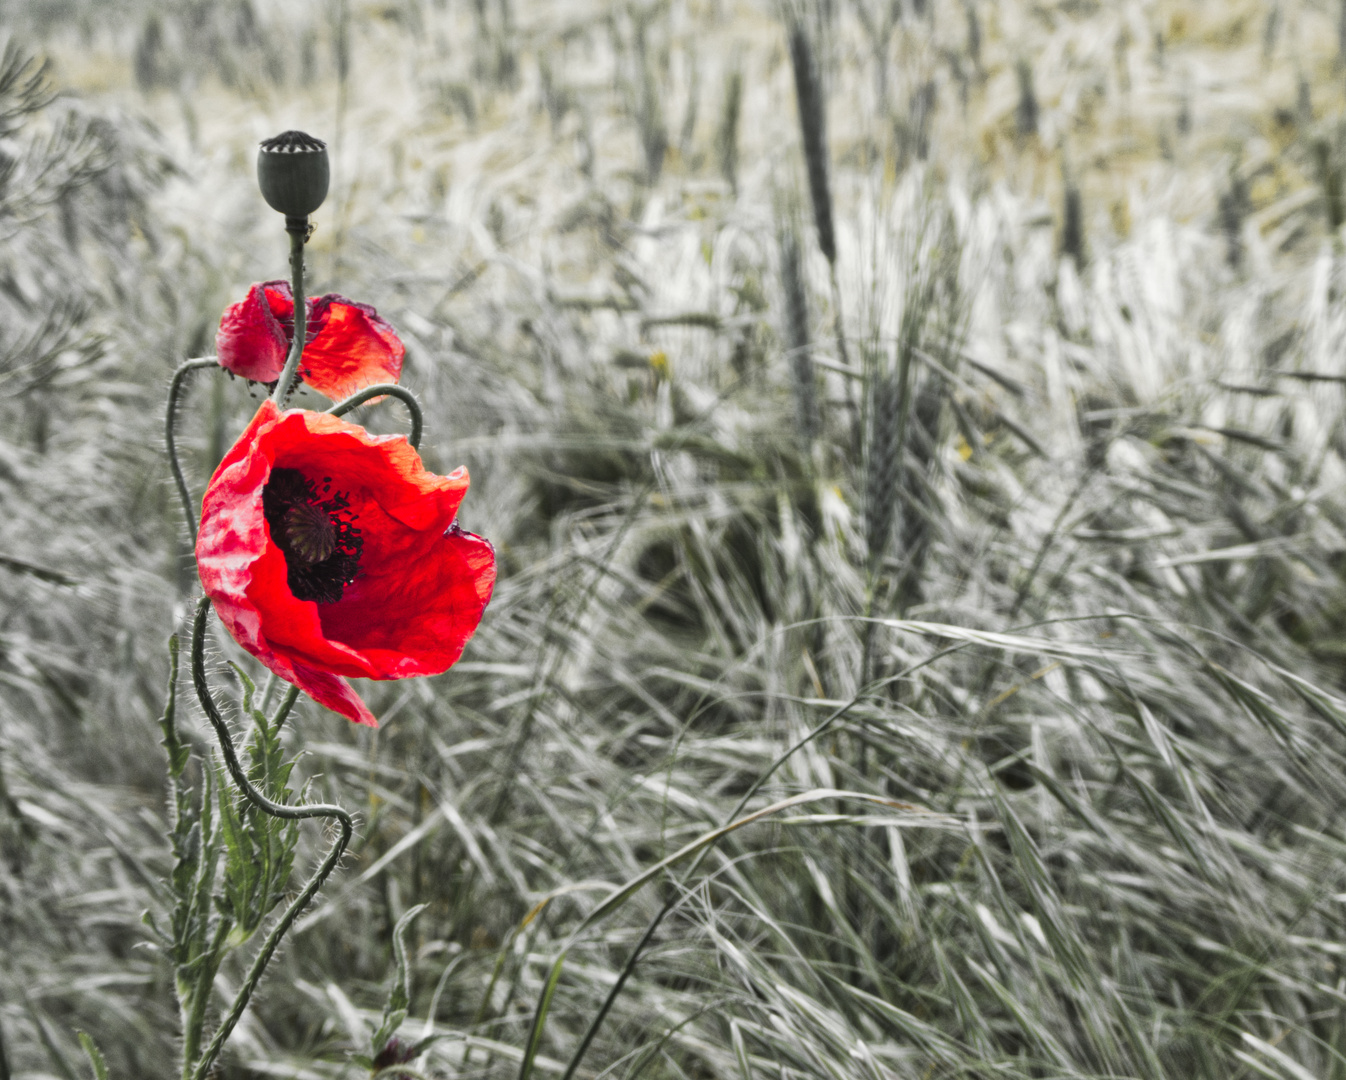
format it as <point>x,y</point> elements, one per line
<point>170,436</point>
<point>390,390</point>
<point>275,809</point>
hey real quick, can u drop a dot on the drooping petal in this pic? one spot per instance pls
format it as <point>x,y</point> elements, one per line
<point>251,341</point>
<point>422,582</point>
<point>353,349</point>
<point>330,691</point>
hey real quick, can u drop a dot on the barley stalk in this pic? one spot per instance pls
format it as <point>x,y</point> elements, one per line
<point>887,423</point>
<point>798,348</point>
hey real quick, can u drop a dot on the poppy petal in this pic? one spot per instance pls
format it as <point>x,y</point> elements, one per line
<point>251,341</point>
<point>354,348</point>
<point>438,584</point>
<point>332,692</point>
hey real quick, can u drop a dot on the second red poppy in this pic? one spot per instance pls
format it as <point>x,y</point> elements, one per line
<point>349,345</point>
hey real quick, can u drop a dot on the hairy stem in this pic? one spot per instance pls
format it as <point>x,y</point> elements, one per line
<point>194,1020</point>
<point>298,230</point>
<point>170,437</point>
<point>280,810</point>
<point>390,390</point>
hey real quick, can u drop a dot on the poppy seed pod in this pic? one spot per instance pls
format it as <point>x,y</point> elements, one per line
<point>293,173</point>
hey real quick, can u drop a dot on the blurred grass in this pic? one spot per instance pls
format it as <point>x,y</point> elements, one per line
<point>1105,586</point>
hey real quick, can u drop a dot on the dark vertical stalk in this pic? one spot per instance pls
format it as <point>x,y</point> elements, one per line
<point>298,230</point>
<point>216,445</point>
<point>1341,35</point>
<point>813,127</point>
<point>693,104</point>
<point>1072,222</point>
<point>973,34</point>
<point>1026,112</point>
<point>797,338</point>
<point>726,135</point>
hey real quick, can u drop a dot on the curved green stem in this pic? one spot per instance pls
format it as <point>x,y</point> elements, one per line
<point>391,390</point>
<point>298,230</point>
<point>275,809</point>
<point>170,437</point>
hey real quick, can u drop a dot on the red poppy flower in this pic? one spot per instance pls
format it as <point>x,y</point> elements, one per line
<point>349,347</point>
<point>332,553</point>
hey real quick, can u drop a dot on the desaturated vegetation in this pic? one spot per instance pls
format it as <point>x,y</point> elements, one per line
<point>937,400</point>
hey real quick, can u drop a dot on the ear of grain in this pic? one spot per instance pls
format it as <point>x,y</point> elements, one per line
<point>812,104</point>
<point>650,118</point>
<point>1233,207</point>
<point>1327,158</point>
<point>726,133</point>
<point>1026,112</point>
<point>693,104</point>
<point>1072,222</point>
<point>973,32</point>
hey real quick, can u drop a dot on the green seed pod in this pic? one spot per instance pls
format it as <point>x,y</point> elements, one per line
<point>293,173</point>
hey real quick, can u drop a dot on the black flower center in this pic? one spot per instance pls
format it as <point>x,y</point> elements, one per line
<point>316,533</point>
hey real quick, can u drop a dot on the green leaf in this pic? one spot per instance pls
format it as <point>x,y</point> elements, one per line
<point>399,994</point>
<point>420,1046</point>
<point>540,1019</point>
<point>147,917</point>
<point>94,1054</point>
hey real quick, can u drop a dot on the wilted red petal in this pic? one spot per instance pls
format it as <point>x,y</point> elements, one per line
<point>353,349</point>
<point>349,345</point>
<point>422,582</point>
<point>251,341</point>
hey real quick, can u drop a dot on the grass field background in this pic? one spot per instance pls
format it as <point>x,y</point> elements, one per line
<point>1018,504</point>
